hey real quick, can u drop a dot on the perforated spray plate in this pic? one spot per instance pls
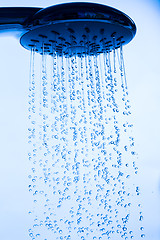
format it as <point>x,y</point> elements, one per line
<point>77,37</point>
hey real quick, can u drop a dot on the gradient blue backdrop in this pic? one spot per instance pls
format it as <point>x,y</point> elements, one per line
<point>142,58</point>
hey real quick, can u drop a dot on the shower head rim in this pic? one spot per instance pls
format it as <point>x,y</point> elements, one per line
<point>56,12</point>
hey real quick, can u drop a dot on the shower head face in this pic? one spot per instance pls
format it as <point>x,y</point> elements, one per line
<point>77,28</point>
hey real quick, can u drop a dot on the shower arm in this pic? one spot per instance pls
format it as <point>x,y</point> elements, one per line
<point>12,20</point>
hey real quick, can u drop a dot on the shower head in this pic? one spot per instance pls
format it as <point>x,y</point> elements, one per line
<point>70,28</point>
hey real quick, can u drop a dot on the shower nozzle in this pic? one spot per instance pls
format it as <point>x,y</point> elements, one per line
<point>71,27</point>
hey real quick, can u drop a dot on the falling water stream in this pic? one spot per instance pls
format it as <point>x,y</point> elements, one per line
<point>82,153</point>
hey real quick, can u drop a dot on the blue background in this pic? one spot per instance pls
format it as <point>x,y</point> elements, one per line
<point>142,58</point>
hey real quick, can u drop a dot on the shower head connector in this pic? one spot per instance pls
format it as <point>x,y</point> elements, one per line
<point>77,28</point>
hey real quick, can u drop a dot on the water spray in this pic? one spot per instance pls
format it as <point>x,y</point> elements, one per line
<point>82,153</point>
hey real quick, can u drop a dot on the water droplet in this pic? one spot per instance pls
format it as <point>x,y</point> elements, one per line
<point>142,235</point>
<point>124,229</point>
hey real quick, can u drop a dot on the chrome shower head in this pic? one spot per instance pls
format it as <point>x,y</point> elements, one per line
<point>72,28</point>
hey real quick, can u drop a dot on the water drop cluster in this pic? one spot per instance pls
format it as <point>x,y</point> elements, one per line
<point>82,153</point>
